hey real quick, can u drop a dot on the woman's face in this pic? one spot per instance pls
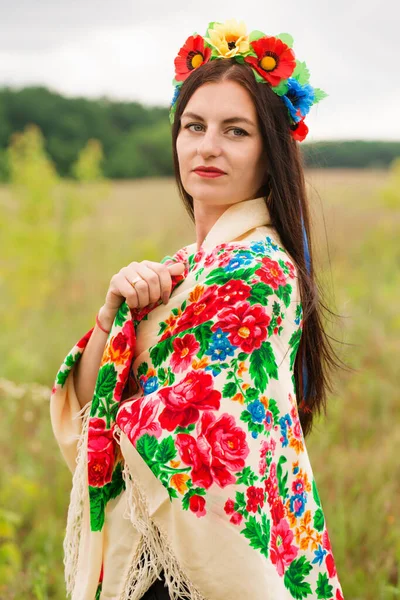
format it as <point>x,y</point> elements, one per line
<point>235,147</point>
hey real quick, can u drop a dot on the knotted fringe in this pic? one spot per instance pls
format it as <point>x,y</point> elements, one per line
<point>154,552</point>
<point>76,505</point>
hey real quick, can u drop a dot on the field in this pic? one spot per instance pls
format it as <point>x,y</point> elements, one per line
<point>353,449</point>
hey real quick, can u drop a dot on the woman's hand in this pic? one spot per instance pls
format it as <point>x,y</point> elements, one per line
<point>152,281</point>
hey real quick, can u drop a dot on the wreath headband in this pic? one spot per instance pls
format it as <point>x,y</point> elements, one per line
<point>272,61</point>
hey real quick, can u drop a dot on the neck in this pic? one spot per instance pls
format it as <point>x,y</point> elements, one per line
<point>205,217</point>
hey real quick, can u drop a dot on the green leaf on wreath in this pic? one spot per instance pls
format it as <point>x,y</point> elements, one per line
<point>160,351</point>
<point>229,389</point>
<point>121,315</point>
<point>203,335</point>
<point>263,366</point>
<point>257,535</point>
<point>106,381</point>
<point>259,294</point>
<point>284,293</point>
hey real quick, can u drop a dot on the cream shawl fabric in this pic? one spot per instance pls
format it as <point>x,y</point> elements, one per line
<point>213,482</point>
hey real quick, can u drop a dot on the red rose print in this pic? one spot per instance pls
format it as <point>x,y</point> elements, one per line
<point>219,449</point>
<point>138,417</point>
<point>101,446</point>
<point>233,291</point>
<point>84,340</point>
<point>184,349</point>
<point>271,273</point>
<point>339,595</point>
<point>330,565</point>
<point>229,506</point>
<point>277,511</point>
<point>196,505</point>
<point>246,325</point>
<point>200,311</point>
<point>291,269</point>
<point>282,551</point>
<point>184,400</point>
<point>119,388</point>
<point>255,497</point>
<point>236,518</point>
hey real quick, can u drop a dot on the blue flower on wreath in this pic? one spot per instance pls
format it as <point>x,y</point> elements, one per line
<point>298,97</point>
<point>176,94</point>
<point>151,385</point>
<point>257,411</point>
<point>300,500</point>
<point>319,555</point>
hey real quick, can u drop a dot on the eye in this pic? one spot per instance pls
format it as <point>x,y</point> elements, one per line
<point>243,133</point>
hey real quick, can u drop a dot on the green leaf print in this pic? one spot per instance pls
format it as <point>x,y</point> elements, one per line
<point>240,502</point>
<point>166,450</point>
<point>315,494</point>
<point>273,407</point>
<point>203,335</point>
<point>246,476</point>
<point>294,343</point>
<point>263,366</point>
<point>147,445</point>
<point>294,578</point>
<point>106,381</point>
<point>121,315</point>
<point>97,505</point>
<point>116,485</point>
<point>282,478</point>
<point>258,534</point>
<point>323,590</point>
<point>319,520</point>
<point>220,276</point>
<point>229,389</point>
<point>259,294</point>
<point>283,292</point>
<point>142,369</point>
<point>160,351</point>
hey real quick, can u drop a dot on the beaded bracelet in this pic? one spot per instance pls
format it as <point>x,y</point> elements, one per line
<point>99,325</point>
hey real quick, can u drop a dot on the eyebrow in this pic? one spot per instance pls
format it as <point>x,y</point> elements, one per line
<point>191,115</point>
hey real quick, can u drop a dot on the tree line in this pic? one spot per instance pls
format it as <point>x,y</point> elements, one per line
<point>130,133</point>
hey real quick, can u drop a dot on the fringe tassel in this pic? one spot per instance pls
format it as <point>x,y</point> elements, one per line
<point>154,552</point>
<point>76,505</point>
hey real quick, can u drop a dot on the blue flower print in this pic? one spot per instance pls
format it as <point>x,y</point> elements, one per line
<point>258,247</point>
<point>298,97</point>
<point>319,555</point>
<point>151,385</point>
<point>300,501</point>
<point>270,244</point>
<point>220,347</point>
<point>257,411</point>
<point>284,422</point>
<point>240,259</point>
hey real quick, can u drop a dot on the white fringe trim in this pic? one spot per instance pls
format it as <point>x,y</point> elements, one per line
<point>76,505</point>
<point>156,550</point>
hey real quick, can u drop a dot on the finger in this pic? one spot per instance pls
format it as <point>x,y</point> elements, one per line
<point>176,269</point>
<point>141,287</point>
<point>126,290</point>
<point>164,278</point>
<point>152,279</point>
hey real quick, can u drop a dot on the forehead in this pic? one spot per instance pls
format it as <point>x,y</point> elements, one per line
<point>221,100</point>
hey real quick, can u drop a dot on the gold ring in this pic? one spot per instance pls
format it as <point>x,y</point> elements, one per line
<point>134,281</point>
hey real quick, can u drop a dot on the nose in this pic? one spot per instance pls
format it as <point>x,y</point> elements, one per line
<point>209,145</point>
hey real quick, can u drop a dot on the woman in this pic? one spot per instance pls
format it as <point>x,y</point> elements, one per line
<point>199,481</point>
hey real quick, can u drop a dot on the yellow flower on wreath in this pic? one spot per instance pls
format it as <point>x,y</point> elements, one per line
<point>229,38</point>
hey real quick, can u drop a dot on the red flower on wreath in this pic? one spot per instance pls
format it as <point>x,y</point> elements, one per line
<point>192,55</point>
<point>299,131</point>
<point>184,349</point>
<point>247,325</point>
<point>275,60</point>
<point>101,447</point>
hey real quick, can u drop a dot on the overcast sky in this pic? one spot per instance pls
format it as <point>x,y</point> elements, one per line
<point>125,49</point>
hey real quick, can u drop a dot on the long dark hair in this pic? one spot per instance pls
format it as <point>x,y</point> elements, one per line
<point>286,192</point>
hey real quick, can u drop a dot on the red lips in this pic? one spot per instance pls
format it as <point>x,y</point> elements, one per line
<point>209,169</point>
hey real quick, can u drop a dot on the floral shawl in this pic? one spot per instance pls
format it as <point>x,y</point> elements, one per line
<point>190,456</point>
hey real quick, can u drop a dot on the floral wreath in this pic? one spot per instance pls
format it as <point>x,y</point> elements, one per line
<point>271,58</point>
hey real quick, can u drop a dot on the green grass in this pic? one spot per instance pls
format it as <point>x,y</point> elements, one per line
<point>353,450</point>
